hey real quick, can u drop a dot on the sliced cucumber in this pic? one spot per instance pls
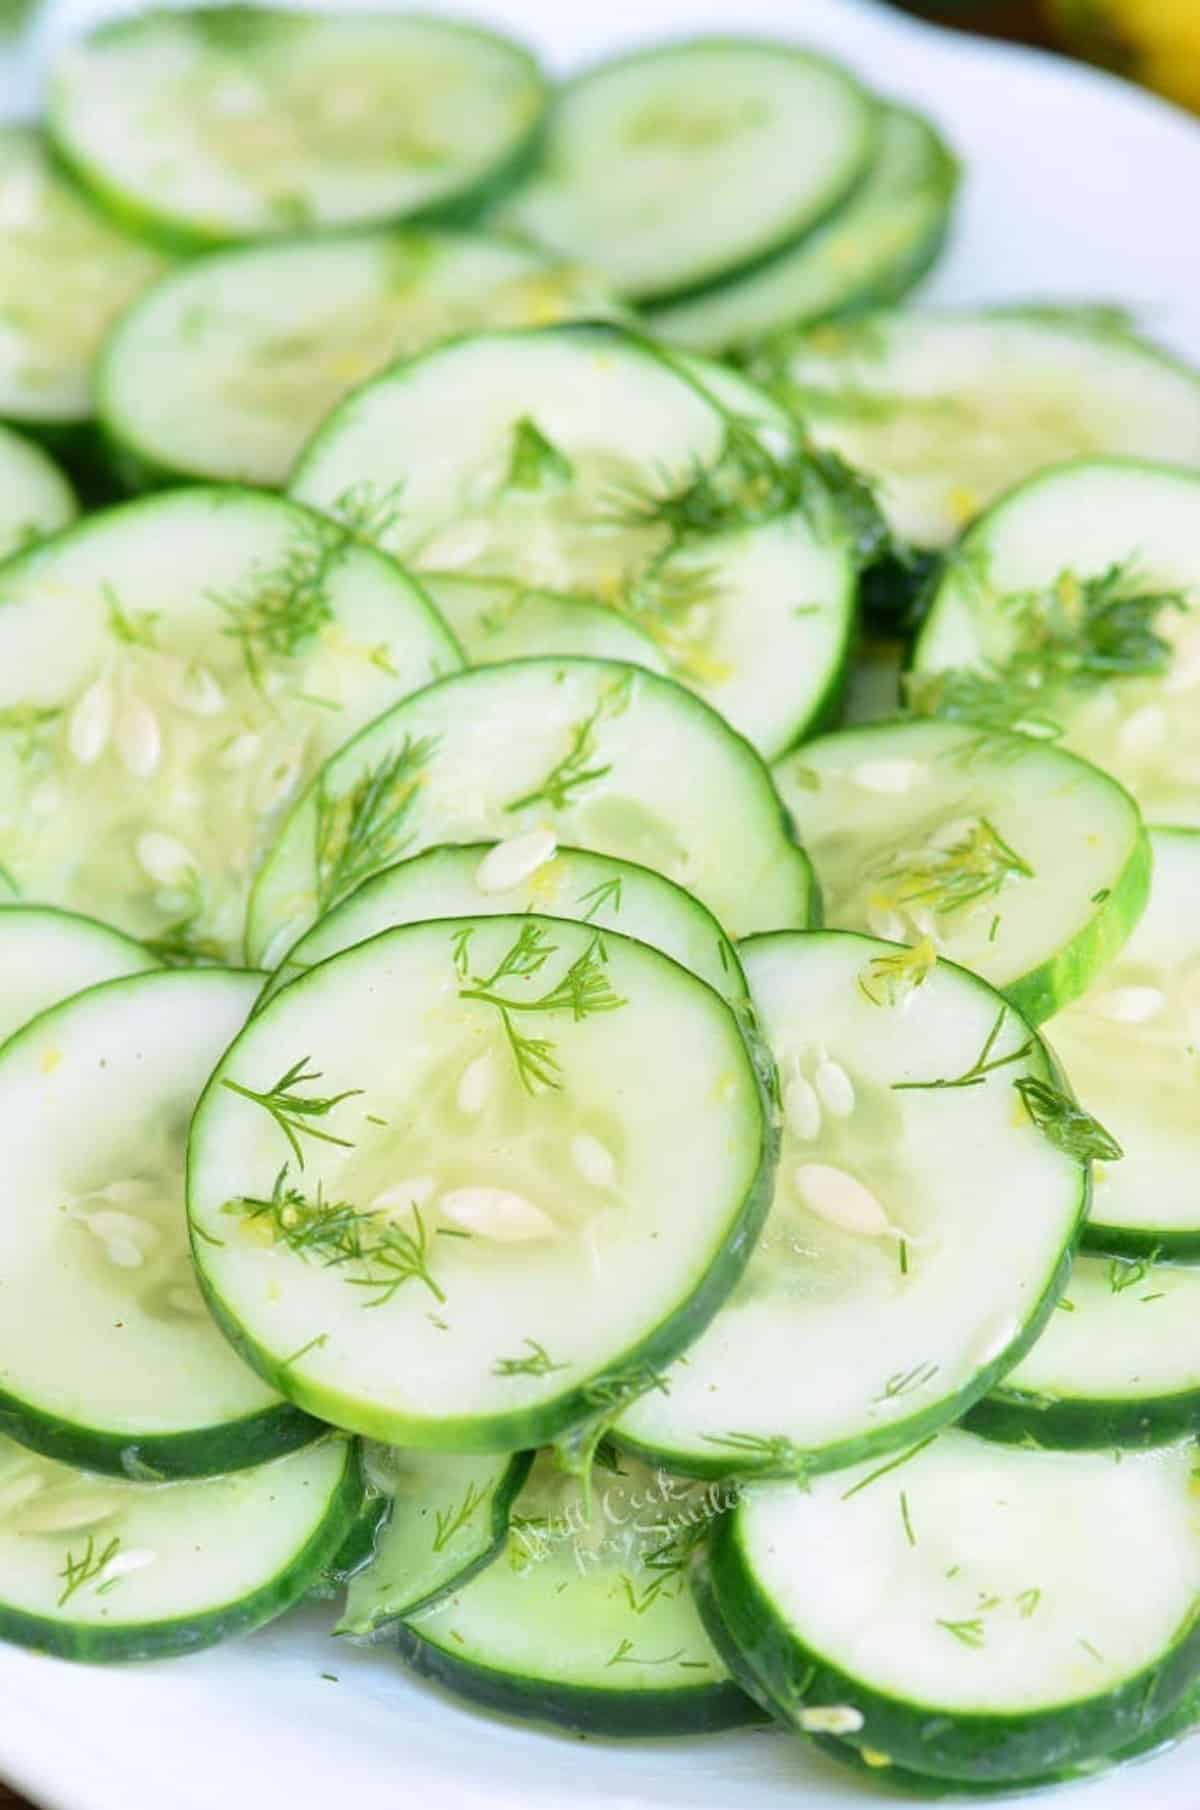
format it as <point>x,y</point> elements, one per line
<point>496,619</point>
<point>1070,608</point>
<point>171,673</point>
<point>215,123</point>
<point>592,464</point>
<point>47,955</point>
<point>939,1218</point>
<point>672,167</point>
<point>878,244</point>
<point>1017,860</point>
<point>65,274</point>
<point>92,1568</point>
<point>95,1098</point>
<point>446,1519</point>
<point>582,1108</point>
<point>449,882</point>
<point>224,369</point>
<point>947,1613</point>
<point>586,1620</point>
<point>945,411</point>
<point>1130,1044</point>
<point>1119,1365</point>
<point>599,755</point>
<point>35,497</point>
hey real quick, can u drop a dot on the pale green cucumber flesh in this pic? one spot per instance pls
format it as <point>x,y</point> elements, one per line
<point>496,619</point>
<point>335,1256</point>
<point>1018,860</point>
<point>606,756</point>
<point>35,496</point>
<point>46,955</point>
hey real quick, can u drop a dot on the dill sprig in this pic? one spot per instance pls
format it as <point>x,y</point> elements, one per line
<point>535,461</point>
<point>537,1362</point>
<point>1061,1119</point>
<point>136,628</point>
<point>367,511</point>
<point>970,1632</point>
<point>27,724</point>
<point>770,1450</point>
<point>292,1111</point>
<point>606,896</point>
<point>182,943</point>
<point>904,1382</point>
<point>452,1520</point>
<point>361,830</point>
<point>87,1568</point>
<point>1126,1272</point>
<point>276,611</point>
<point>336,1233</point>
<point>975,864</point>
<point>888,980</point>
<point>583,990</point>
<point>578,766</point>
<point>984,1064</point>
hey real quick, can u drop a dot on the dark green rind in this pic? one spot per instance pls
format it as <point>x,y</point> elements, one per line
<point>169,233</point>
<point>628,1373</point>
<point>170,1639</point>
<point>233,1445</point>
<point>357,1549</point>
<point>490,1549</point>
<point>1019,1417</point>
<point>811,906</point>
<point>1172,1244</point>
<point>700,284</point>
<point>968,1749</point>
<point>813,1461</point>
<point>691,1709</point>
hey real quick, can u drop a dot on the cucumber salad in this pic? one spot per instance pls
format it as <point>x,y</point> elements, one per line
<point>599,904</point>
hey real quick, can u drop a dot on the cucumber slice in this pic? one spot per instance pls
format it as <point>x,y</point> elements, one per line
<point>944,411</point>
<point>1070,608</point>
<point>569,883</point>
<point>592,464</point>
<point>586,1621</point>
<point>47,955</point>
<point>509,1104</point>
<point>215,123</point>
<point>604,756</point>
<point>446,1519</point>
<point>950,1609</point>
<point>95,1569</point>
<point>65,274</point>
<point>871,1224</point>
<point>1119,1366</point>
<point>225,368</point>
<point>876,247</point>
<point>672,167</point>
<point>1130,1044</point>
<point>171,673</point>
<point>1021,862</point>
<point>95,1098</point>
<point>496,619</point>
<point>35,497</point>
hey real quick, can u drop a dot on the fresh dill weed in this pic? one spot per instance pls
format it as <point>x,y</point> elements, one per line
<point>583,990</point>
<point>363,829</point>
<point>294,1111</point>
<point>579,767</point>
<point>888,980</point>
<point>452,1520</point>
<point>87,1567</point>
<point>986,1062</point>
<point>1065,1123</point>
<point>969,863</point>
<point>536,1362</point>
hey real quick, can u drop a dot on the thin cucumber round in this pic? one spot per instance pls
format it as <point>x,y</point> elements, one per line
<point>1016,859</point>
<point>108,1357</point>
<point>1117,1365</point>
<point>941,1218</point>
<point>946,1614</point>
<point>477,1235</point>
<point>673,167</point>
<point>225,368</point>
<point>496,619</point>
<point>172,671</point>
<point>1129,1044</point>
<point>46,955</point>
<point>585,1621</point>
<point>581,459</point>
<point>35,496</point>
<point>65,274</point>
<point>445,1519</point>
<point>452,882</point>
<point>945,411</point>
<point>592,753</point>
<point>875,248</point>
<point>205,125</point>
<point>1070,609</point>
<point>96,1569</point>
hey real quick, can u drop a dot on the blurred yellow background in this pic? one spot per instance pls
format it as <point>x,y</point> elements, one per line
<point>1156,42</point>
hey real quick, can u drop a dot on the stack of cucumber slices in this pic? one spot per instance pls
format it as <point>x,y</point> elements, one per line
<point>637,1147</point>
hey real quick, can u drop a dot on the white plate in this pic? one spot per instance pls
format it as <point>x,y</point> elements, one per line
<point>1077,187</point>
